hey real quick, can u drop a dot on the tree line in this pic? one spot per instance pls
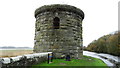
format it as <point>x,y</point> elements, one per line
<point>106,44</point>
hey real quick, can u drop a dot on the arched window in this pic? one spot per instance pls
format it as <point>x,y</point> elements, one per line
<point>56,23</point>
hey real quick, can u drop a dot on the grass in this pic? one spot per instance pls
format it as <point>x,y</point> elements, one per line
<point>12,53</point>
<point>85,61</point>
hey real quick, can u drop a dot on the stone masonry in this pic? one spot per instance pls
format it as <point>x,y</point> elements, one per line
<point>59,30</point>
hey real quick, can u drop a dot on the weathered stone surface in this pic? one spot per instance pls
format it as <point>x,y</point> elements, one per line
<point>24,61</point>
<point>65,38</point>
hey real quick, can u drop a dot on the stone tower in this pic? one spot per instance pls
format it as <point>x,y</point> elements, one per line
<point>59,30</point>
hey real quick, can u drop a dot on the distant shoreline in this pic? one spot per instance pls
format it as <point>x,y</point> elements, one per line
<point>16,48</point>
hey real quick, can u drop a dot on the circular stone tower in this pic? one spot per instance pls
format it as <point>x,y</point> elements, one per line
<point>59,30</point>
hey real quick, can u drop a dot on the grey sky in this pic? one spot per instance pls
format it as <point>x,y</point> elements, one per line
<point>17,22</point>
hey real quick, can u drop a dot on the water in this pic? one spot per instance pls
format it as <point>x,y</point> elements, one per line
<point>98,55</point>
<point>115,58</point>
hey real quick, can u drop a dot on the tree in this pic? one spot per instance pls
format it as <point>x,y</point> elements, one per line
<point>106,44</point>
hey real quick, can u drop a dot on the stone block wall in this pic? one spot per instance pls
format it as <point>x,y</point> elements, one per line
<point>25,61</point>
<point>67,39</point>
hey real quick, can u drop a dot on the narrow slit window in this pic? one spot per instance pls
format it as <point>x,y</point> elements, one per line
<point>56,23</point>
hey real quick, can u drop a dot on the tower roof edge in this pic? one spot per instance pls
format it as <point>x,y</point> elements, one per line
<point>59,7</point>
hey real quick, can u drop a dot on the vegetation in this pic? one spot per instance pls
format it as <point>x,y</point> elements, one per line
<point>85,61</point>
<point>106,44</point>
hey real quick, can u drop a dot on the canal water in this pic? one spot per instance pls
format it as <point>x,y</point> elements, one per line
<point>110,60</point>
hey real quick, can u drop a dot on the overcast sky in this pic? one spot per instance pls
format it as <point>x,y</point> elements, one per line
<point>17,21</point>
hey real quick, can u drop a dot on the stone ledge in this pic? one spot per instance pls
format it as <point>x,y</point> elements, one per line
<point>24,60</point>
<point>59,7</point>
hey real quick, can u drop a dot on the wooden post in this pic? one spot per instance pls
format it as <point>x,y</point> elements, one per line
<point>48,58</point>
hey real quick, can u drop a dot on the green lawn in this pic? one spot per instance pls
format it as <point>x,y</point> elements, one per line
<point>85,62</point>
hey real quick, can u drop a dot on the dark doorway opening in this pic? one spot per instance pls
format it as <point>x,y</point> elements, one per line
<point>56,23</point>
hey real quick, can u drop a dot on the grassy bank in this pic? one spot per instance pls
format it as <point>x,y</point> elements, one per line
<point>85,61</point>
